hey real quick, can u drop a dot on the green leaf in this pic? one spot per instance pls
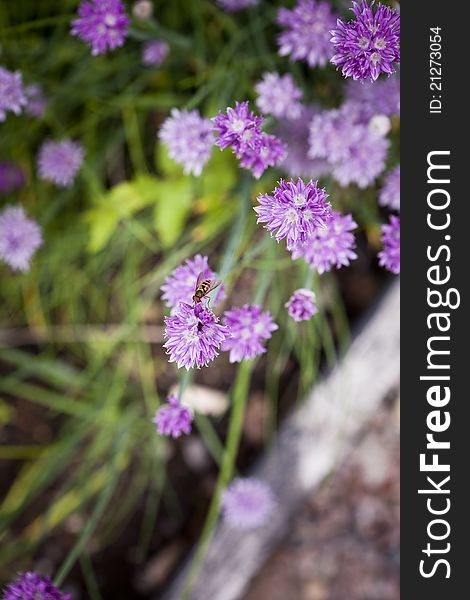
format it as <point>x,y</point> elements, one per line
<point>172,209</point>
<point>166,165</point>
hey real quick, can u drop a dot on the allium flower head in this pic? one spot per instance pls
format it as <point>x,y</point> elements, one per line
<point>154,53</point>
<point>11,177</point>
<point>279,96</point>
<point>237,127</point>
<point>12,96</point>
<point>389,257</point>
<point>301,305</point>
<point>189,138</point>
<point>247,503</point>
<point>37,103</point>
<point>31,586</point>
<point>369,44</point>
<point>194,336</point>
<point>307,35</point>
<point>382,97</point>
<point>20,237</point>
<point>249,327</point>
<point>265,151</point>
<point>236,5</point>
<point>102,24</point>
<point>59,162</point>
<point>173,418</point>
<point>390,193</point>
<point>181,284</point>
<point>329,247</point>
<point>294,211</point>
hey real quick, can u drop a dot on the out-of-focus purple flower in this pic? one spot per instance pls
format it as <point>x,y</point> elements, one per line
<point>329,247</point>
<point>236,5</point>
<point>11,177</point>
<point>382,97</point>
<point>265,151</point>
<point>154,53</point>
<point>369,44</point>
<point>102,24</point>
<point>59,162</point>
<point>390,193</point>
<point>189,138</point>
<point>389,257</point>
<point>301,305</point>
<point>37,103</point>
<point>31,586</point>
<point>173,418</point>
<point>181,284</point>
<point>12,94</point>
<point>278,95</point>
<point>247,503</point>
<point>237,127</point>
<point>20,237</point>
<point>249,327</point>
<point>307,35</point>
<point>142,9</point>
<point>294,134</point>
<point>194,336</point>
<point>294,211</point>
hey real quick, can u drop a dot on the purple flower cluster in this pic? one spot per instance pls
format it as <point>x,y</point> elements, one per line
<point>279,96</point>
<point>173,418</point>
<point>389,257</point>
<point>369,44</point>
<point>249,327</point>
<point>382,97</point>
<point>355,151</point>
<point>390,193</point>
<point>307,35</point>
<point>154,53</point>
<point>189,138</point>
<point>236,5</point>
<point>294,211</point>
<point>12,93</point>
<point>194,336</point>
<point>102,24</point>
<point>37,103</point>
<point>241,129</point>
<point>31,586</point>
<point>301,305</point>
<point>329,247</point>
<point>59,162</point>
<point>247,503</point>
<point>20,237</point>
<point>181,284</point>
<point>11,177</point>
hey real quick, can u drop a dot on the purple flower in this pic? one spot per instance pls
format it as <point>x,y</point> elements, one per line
<point>189,138</point>
<point>235,5</point>
<point>294,211</point>
<point>307,35</point>
<point>389,257</point>
<point>294,134</point>
<point>266,151</point>
<point>102,24</point>
<point>11,177</point>
<point>20,237</point>
<point>369,44</point>
<point>237,127</point>
<point>301,305</point>
<point>37,104</point>
<point>382,97</point>
<point>329,247</point>
<point>279,96</point>
<point>181,284</point>
<point>31,586</point>
<point>247,503</point>
<point>390,193</point>
<point>194,336</point>
<point>59,162</point>
<point>173,418</point>
<point>12,96</point>
<point>249,328</point>
<point>154,53</point>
